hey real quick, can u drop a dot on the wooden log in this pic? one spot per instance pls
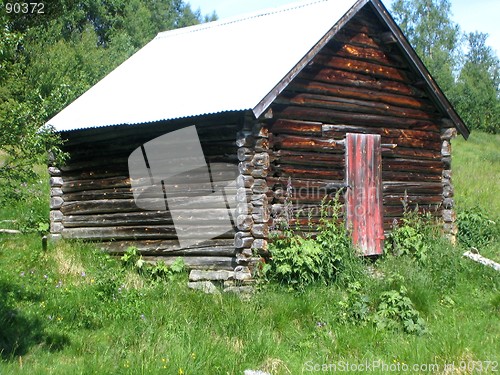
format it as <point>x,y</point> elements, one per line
<point>243,240</point>
<point>360,66</point>
<point>56,216</point>
<point>449,216</point>
<point>56,203</point>
<point>56,182</point>
<point>308,158</point>
<point>364,53</point>
<point>296,127</point>
<point>332,130</point>
<point>128,205</point>
<point>343,91</point>
<point>261,144</point>
<point>260,231</point>
<point>290,142</point>
<point>243,195</point>
<point>352,79</point>
<point>198,262</point>
<point>54,171</point>
<point>244,222</point>
<point>214,247</point>
<point>328,115</point>
<point>56,192</point>
<point>118,219</point>
<point>260,173</point>
<point>244,181</point>
<point>245,167</point>
<point>446,148</point>
<point>261,160</point>
<point>259,186</point>
<point>245,153</point>
<point>409,176</point>
<point>353,105</point>
<point>391,187</point>
<point>140,232</point>
<point>9,231</point>
<point>297,172</point>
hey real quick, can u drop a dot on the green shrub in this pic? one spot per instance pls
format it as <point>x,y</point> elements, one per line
<point>475,228</point>
<point>413,236</point>
<point>299,259</point>
<point>396,311</point>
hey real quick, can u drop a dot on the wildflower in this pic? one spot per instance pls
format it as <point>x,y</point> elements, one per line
<point>193,355</point>
<point>32,271</point>
<point>92,281</point>
<point>83,274</point>
<point>45,276</point>
<point>143,317</point>
<point>59,284</point>
<point>21,274</point>
<point>180,372</point>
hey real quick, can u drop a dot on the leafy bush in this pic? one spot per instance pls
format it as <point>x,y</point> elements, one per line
<point>299,259</point>
<point>159,271</point>
<point>412,236</point>
<point>475,228</point>
<point>396,311</point>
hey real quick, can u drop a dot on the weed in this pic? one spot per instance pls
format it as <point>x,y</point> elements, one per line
<point>396,311</point>
<point>475,228</point>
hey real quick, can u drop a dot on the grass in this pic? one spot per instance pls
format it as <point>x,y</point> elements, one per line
<point>73,310</point>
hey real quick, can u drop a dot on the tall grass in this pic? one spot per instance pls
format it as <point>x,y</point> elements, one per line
<point>74,310</point>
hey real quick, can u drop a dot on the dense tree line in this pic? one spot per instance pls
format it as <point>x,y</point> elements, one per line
<point>464,66</point>
<point>47,60</point>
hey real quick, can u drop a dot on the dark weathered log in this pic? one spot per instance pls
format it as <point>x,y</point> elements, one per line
<point>413,153</point>
<point>352,79</point>
<point>242,240</point>
<point>359,66</point>
<point>409,176</point>
<point>308,158</point>
<point>331,130</point>
<point>140,232</point>
<point>328,115</point>
<point>128,205</point>
<point>296,127</point>
<point>215,247</point>
<point>199,262</point>
<point>421,166</point>
<point>291,142</point>
<point>352,105</point>
<point>391,187</point>
<point>118,219</point>
<point>244,222</point>
<point>398,199</point>
<point>296,172</point>
<point>336,90</point>
<point>364,53</point>
<point>104,183</point>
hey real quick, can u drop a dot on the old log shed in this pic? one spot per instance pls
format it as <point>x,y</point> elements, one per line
<point>323,94</point>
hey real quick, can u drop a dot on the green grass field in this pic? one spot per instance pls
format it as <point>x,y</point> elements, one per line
<point>73,310</point>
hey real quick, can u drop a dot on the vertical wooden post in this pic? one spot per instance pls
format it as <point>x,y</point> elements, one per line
<point>364,201</point>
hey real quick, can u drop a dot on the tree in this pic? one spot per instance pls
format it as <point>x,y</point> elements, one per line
<point>48,60</point>
<point>477,93</point>
<point>433,35</point>
<point>471,82</point>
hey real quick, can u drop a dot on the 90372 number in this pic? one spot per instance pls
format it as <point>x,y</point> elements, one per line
<point>25,8</point>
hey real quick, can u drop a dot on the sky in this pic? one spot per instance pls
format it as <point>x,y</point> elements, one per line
<point>471,15</point>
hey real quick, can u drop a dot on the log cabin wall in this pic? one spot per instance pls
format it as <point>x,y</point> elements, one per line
<point>360,82</point>
<point>92,199</point>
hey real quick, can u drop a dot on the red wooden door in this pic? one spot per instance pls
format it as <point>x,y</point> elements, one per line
<point>364,205</point>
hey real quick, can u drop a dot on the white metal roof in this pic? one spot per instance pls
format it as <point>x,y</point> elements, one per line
<point>227,65</point>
